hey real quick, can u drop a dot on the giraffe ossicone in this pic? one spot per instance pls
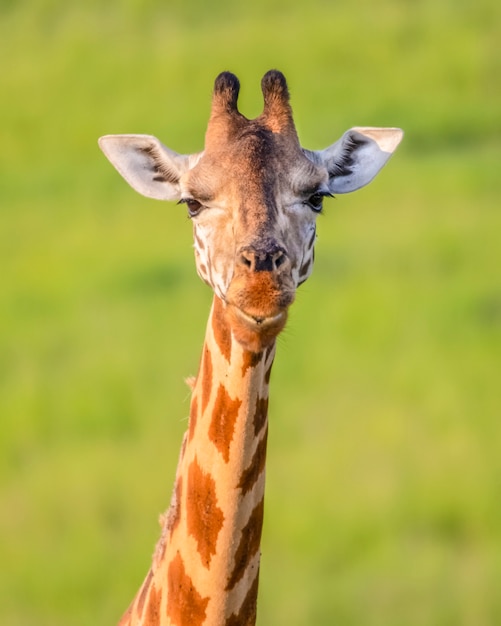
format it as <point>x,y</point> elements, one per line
<point>253,194</point>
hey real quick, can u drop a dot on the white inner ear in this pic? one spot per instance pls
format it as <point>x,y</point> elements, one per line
<point>386,138</point>
<point>149,167</point>
<point>360,154</point>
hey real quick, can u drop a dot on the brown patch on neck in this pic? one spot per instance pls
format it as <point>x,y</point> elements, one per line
<point>204,517</point>
<point>185,605</point>
<point>268,374</point>
<point>260,414</point>
<point>152,613</point>
<point>266,357</point>
<point>248,547</point>
<point>221,329</point>
<point>247,614</point>
<point>224,417</point>
<point>251,474</point>
<point>268,352</point>
<point>250,359</point>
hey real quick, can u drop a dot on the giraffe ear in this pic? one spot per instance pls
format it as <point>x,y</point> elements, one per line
<point>149,167</point>
<point>357,157</point>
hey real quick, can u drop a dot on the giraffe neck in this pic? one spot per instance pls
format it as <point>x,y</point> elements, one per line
<point>206,565</point>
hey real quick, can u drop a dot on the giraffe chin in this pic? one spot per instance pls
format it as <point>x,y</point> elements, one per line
<point>255,332</point>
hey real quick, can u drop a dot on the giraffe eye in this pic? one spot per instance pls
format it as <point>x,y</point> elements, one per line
<point>194,207</point>
<point>315,201</point>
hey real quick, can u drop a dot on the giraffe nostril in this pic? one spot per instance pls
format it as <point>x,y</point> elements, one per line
<point>247,259</point>
<point>263,259</point>
<point>279,259</point>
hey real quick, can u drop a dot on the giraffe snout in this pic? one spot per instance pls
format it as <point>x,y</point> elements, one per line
<point>267,256</point>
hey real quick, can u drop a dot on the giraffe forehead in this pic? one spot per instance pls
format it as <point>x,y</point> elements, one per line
<point>256,166</point>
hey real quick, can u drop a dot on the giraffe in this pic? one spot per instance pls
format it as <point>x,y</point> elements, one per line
<point>253,195</point>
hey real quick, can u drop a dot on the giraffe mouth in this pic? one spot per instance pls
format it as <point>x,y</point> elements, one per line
<point>261,322</point>
<point>257,307</point>
<point>253,331</point>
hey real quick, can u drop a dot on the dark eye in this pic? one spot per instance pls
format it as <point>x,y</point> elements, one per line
<point>315,202</point>
<point>194,206</point>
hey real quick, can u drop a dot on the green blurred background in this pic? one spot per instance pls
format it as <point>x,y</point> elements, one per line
<point>384,476</point>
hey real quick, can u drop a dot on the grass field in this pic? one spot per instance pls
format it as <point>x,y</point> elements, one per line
<point>384,475</point>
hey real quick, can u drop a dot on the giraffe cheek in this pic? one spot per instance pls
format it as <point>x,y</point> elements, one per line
<point>202,265</point>
<point>305,271</point>
<point>203,273</point>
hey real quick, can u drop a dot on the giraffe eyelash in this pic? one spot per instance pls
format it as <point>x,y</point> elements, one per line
<point>315,201</point>
<point>194,206</point>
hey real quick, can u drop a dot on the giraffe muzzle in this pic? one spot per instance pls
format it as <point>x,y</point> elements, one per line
<point>257,303</point>
<point>263,259</point>
<point>261,322</point>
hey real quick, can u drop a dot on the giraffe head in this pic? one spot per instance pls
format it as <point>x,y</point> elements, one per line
<point>253,195</point>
